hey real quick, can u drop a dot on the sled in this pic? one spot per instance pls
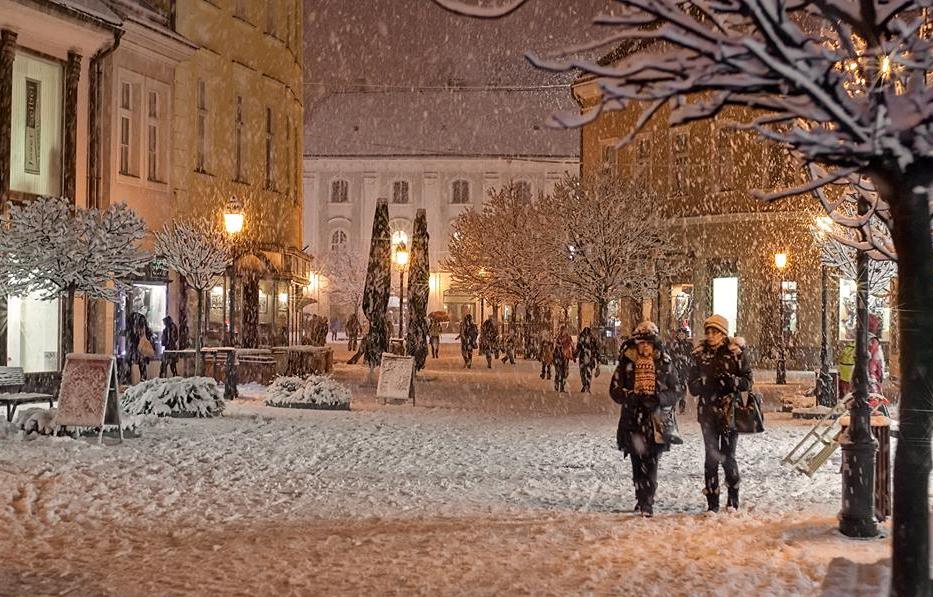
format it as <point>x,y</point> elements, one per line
<point>818,444</point>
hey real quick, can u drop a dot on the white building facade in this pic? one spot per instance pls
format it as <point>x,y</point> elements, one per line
<point>344,177</point>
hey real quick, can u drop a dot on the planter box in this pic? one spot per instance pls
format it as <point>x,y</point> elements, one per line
<point>311,406</point>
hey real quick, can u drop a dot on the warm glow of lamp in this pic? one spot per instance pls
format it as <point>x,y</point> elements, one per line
<point>780,260</point>
<point>314,282</point>
<point>434,281</point>
<point>885,67</point>
<point>234,218</point>
<point>283,297</point>
<point>401,255</point>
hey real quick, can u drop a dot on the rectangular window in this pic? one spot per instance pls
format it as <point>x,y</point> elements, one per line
<point>35,141</point>
<point>609,158</point>
<point>129,131</point>
<point>339,191</point>
<point>400,191</point>
<point>32,334</point>
<point>726,300</point>
<point>152,146</point>
<point>201,158</point>
<point>238,132</point>
<point>270,184</point>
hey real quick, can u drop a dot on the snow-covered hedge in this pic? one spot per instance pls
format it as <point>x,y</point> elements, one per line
<point>315,391</point>
<point>191,396</point>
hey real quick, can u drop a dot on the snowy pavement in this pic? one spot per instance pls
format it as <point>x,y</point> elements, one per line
<point>492,485</point>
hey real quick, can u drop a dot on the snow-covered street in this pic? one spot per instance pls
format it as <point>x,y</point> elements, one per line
<point>499,494</point>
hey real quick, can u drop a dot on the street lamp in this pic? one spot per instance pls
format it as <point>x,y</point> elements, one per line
<point>400,257</point>
<point>825,393</point>
<point>780,262</point>
<point>234,221</point>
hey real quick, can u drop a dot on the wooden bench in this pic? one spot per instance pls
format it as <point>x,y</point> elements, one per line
<point>14,378</point>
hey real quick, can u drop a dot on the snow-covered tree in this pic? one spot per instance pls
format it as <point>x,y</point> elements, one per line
<point>55,250</point>
<point>610,239</point>
<point>843,84</point>
<point>200,252</point>
<point>345,271</point>
<point>500,252</point>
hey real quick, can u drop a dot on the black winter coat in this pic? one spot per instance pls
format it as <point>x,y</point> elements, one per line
<point>641,413</point>
<point>716,375</point>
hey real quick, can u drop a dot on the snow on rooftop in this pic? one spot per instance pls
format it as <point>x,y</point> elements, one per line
<point>441,122</point>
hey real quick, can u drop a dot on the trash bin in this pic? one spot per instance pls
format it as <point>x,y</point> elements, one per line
<point>881,430</point>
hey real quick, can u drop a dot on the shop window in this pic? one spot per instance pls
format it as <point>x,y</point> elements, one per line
<point>726,300</point>
<point>338,240</point>
<point>523,190</point>
<point>681,305</point>
<point>789,306</point>
<point>879,313</point>
<point>36,125</point>
<point>32,334</point>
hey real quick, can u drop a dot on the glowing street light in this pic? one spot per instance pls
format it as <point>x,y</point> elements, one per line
<point>780,262</point>
<point>401,255</point>
<point>234,218</point>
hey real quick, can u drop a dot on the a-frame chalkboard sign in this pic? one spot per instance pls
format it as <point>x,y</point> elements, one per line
<point>89,395</point>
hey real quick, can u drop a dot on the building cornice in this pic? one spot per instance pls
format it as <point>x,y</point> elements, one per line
<point>147,39</point>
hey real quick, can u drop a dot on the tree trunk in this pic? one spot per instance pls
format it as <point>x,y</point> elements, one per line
<point>68,324</point>
<point>602,312</point>
<point>198,334</point>
<point>908,198</point>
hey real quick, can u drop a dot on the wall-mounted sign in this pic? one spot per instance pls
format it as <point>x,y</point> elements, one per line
<point>33,146</point>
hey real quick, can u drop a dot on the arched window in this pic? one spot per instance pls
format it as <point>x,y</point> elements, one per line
<point>461,192</point>
<point>338,240</point>
<point>339,191</point>
<point>400,191</point>
<point>523,190</point>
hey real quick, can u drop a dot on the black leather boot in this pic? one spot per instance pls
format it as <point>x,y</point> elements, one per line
<point>712,503</point>
<point>733,500</point>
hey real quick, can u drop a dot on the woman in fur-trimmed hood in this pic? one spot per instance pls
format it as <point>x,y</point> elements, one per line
<point>645,384</point>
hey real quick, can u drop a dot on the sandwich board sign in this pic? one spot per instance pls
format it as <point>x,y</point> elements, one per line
<point>396,378</point>
<point>89,395</point>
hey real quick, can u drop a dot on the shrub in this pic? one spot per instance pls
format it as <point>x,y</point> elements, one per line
<point>175,396</point>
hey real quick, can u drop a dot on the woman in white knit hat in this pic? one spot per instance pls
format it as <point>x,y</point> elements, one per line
<point>720,369</point>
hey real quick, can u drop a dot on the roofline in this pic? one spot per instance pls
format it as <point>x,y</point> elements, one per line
<point>74,13</point>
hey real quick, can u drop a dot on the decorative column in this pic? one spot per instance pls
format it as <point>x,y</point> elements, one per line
<point>7,53</point>
<point>70,138</point>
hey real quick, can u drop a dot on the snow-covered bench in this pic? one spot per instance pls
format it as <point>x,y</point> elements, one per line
<point>13,378</point>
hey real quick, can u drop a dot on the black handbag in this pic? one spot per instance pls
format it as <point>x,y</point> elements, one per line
<point>747,414</point>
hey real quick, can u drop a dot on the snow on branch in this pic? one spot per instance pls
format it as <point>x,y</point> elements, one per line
<point>345,271</point>
<point>49,247</point>
<point>195,249</point>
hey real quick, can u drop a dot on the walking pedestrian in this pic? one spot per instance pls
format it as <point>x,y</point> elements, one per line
<point>467,337</point>
<point>139,345</point>
<point>434,333</point>
<point>587,354</point>
<point>720,369</point>
<point>169,342</point>
<point>334,327</point>
<point>644,383</point>
<point>681,350</point>
<point>546,353</point>
<point>488,340</point>
<point>509,340</point>
<point>563,354</point>
<point>353,331</point>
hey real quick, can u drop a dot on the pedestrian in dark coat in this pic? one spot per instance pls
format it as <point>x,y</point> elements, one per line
<point>169,342</point>
<point>509,340</point>
<point>681,350</point>
<point>563,354</point>
<point>139,345</point>
<point>720,369</point>
<point>434,334</point>
<point>644,383</point>
<point>467,337</point>
<point>488,340</point>
<point>546,353</point>
<point>353,331</point>
<point>587,354</point>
